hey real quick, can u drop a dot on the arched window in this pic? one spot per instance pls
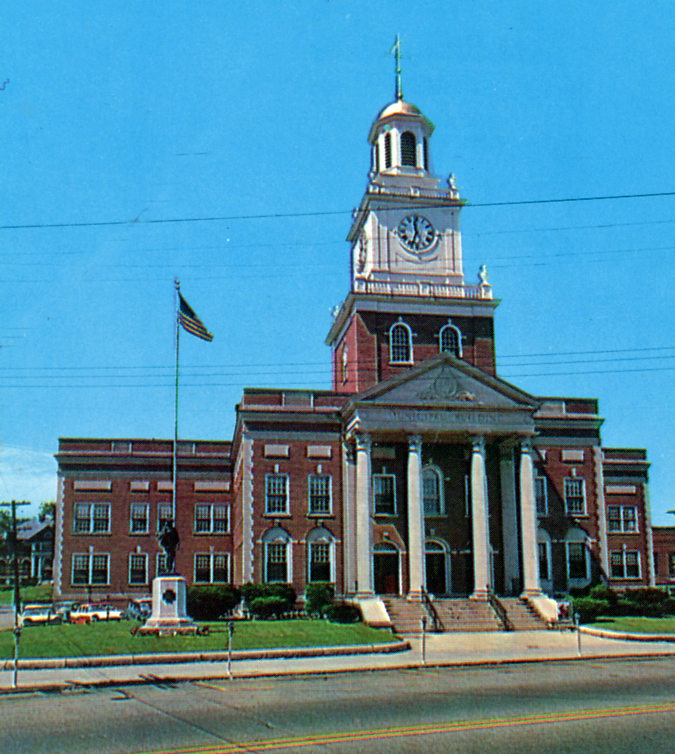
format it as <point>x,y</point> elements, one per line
<point>432,492</point>
<point>320,555</point>
<point>376,158</point>
<point>408,149</point>
<point>387,150</point>
<point>276,543</point>
<point>425,146</point>
<point>400,351</point>
<point>451,340</point>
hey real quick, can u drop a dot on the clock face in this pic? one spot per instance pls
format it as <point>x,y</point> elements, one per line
<point>416,232</point>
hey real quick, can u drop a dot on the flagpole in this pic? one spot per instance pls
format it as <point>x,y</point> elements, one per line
<point>175,424</point>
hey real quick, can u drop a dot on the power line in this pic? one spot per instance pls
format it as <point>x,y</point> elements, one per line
<point>327,213</point>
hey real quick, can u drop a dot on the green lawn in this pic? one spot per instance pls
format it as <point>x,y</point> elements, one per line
<point>41,593</point>
<point>115,638</point>
<point>636,625</point>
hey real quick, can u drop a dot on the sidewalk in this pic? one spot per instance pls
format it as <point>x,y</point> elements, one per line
<point>445,650</point>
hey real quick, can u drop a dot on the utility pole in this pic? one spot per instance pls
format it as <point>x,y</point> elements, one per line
<point>17,590</point>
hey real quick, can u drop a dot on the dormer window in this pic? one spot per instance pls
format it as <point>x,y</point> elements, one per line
<point>387,150</point>
<point>400,351</point>
<point>451,341</point>
<point>408,149</point>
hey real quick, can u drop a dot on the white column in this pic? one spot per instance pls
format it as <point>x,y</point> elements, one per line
<point>507,469</point>
<point>528,518</point>
<point>416,575</point>
<point>479,521</point>
<point>349,518</point>
<point>364,529</point>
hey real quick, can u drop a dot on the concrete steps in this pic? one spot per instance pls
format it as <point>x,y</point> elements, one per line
<point>523,617</point>
<point>461,614</point>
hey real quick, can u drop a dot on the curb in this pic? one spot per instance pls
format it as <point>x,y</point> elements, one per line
<point>58,663</point>
<point>605,633</point>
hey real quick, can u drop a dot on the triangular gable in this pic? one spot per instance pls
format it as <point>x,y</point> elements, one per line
<point>445,381</point>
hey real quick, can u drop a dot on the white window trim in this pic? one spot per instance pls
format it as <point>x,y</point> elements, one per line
<point>547,545</point>
<point>212,559</point>
<point>92,507</point>
<point>132,505</point>
<point>289,558</point>
<point>212,518</point>
<point>459,339</point>
<point>285,511</point>
<point>623,552</point>
<point>583,494</point>
<point>329,512</point>
<point>384,474</point>
<point>145,568</point>
<point>410,358</point>
<point>544,484</point>
<point>90,567</point>
<point>158,559</point>
<point>441,491</point>
<point>577,579</point>
<point>321,540</point>
<point>169,507</point>
<point>622,529</point>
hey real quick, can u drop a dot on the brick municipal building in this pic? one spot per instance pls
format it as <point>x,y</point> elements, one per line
<point>420,472</point>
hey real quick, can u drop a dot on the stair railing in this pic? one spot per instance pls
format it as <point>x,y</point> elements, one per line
<point>436,623</point>
<point>497,606</point>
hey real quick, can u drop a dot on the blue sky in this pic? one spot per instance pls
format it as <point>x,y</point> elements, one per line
<point>127,114</point>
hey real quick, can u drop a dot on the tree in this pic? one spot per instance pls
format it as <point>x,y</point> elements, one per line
<point>47,509</point>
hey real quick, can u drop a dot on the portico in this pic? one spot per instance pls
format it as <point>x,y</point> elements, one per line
<point>451,418</point>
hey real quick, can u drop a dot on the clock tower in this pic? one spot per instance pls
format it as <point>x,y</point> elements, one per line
<point>409,299</point>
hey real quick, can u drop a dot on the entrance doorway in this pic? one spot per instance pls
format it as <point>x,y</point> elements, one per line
<point>436,566</point>
<point>386,568</point>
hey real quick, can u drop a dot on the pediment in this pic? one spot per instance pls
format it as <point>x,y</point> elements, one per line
<point>446,382</point>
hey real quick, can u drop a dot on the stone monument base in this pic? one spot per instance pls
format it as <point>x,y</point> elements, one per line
<point>168,608</point>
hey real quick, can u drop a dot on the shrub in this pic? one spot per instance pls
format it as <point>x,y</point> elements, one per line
<point>603,592</point>
<point>318,597</point>
<point>268,607</point>
<point>589,609</point>
<point>210,601</point>
<point>251,592</point>
<point>650,602</point>
<point>342,614</point>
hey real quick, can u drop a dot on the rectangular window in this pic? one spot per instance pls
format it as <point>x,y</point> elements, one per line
<point>140,520</point>
<point>544,572</point>
<point>576,560</point>
<point>540,495</point>
<point>384,494</point>
<point>319,561</point>
<point>671,564</point>
<point>211,518</point>
<point>276,493</point>
<point>91,518</point>
<point>211,568</point>
<point>80,576</point>
<point>575,498</point>
<point>276,570</point>
<point>160,565</point>
<point>138,568</point>
<point>622,518</point>
<point>319,493</point>
<point>91,569</point>
<point>164,514</point>
<point>624,564</point>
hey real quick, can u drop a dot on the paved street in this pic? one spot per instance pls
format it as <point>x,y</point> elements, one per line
<point>600,706</point>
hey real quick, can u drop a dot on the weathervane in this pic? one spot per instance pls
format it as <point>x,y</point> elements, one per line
<point>396,52</point>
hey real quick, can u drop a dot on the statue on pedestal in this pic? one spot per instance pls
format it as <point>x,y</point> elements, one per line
<point>169,541</point>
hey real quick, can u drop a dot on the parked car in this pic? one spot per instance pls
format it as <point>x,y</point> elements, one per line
<point>39,614</point>
<point>89,612</point>
<point>139,609</point>
<point>65,608</point>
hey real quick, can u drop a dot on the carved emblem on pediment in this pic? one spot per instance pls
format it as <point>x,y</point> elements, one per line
<point>446,387</point>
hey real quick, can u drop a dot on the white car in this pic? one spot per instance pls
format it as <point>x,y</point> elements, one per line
<point>90,611</point>
<point>39,614</point>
